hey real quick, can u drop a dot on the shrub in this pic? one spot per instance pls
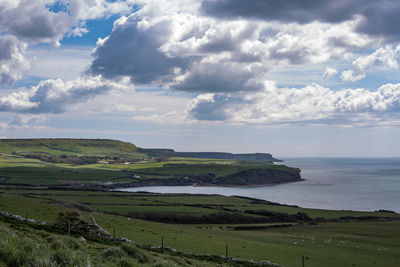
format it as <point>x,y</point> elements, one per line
<point>112,253</point>
<point>126,262</point>
<point>136,253</point>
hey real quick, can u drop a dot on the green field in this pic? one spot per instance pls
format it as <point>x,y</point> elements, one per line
<point>343,243</point>
<point>18,170</point>
<point>197,226</point>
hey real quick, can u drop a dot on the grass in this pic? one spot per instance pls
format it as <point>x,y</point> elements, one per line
<point>124,202</point>
<point>36,172</point>
<point>79,147</point>
<point>16,170</point>
<point>22,245</point>
<point>343,243</point>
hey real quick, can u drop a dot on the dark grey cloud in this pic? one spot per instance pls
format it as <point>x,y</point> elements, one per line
<point>40,26</point>
<point>33,21</point>
<point>218,77</point>
<point>6,47</point>
<point>380,16</point>
<point>301,11</point>
<point>134,52</point>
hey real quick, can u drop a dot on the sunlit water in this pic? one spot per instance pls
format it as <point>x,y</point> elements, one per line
<point>330,183</point>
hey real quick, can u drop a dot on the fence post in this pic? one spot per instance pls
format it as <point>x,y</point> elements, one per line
<point>69,226</point>
<point>114,233</point>
<point>226,252</point>
<point>162,244</point>
<point>302,260</point>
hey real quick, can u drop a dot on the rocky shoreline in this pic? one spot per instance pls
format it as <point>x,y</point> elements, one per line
<point>246,178</point>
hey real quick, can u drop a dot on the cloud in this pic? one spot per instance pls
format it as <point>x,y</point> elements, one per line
<point>301,11</point>
<point>12,60</point>
<point>172,117</point>
<point>55,96</point>
<point>311,104</point>
<point>383,58</point>
<point>40,20</point>
<point>27,120</point>
<point>170,44</point>
<point>133,50</point>
<point>94,9</point>
<point>218,77</point>
<point>32,21</point>
<point>379,17</point>
<point>26,22</point>
<point>329,72</point>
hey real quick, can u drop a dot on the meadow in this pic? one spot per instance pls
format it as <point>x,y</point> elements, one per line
<point>198,227</point>
<point>344,243</point>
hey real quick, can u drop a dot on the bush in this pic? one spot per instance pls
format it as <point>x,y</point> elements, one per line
<point>136,253</point>
<point>126,262</point>
<point>112,254</point>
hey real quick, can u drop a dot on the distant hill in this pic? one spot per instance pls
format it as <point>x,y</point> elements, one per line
<point>77,151</point>
<point>82,151</point>
<point>259,157</point>
<point>59,146</point>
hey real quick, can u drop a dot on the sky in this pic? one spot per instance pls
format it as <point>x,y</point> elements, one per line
<point>291,78</point>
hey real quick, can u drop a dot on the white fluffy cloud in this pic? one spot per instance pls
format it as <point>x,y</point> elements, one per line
<point>171,43</point>
<point>55,96</point>
<point>329,72</point>
<point>12,60</point>
<point>383,58</point>
<point>94,9</point>
<point>311,104</point>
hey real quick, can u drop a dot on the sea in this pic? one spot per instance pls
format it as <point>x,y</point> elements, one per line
<point>365,184</point>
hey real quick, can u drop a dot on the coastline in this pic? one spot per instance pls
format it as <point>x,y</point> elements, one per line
<point>216,185</point>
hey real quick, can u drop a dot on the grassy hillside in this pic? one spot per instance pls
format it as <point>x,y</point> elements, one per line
<point>87,147</point>
<point>70,150</point>
<point>26,244</point>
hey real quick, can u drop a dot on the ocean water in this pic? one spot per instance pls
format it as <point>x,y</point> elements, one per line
<point>330,183</point>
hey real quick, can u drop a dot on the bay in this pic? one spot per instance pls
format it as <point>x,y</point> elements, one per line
<point>366,184</point>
